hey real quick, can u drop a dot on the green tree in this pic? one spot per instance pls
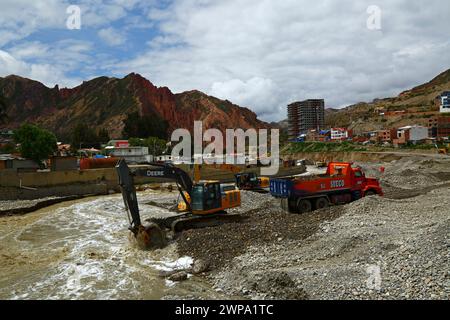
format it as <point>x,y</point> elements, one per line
<point>103,135</point>
<point>156,146</point>
<point>3,115</point>
<point>82,134</point>
<point>145,126</point>
<point>35,143</point>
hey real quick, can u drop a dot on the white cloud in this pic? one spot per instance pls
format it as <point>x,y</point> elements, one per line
<point>111,36</point>
<point>47,73</point>
<point>265,54</point>
<point>48,63</point>
<point>255,91</point>
<point>261,54</point>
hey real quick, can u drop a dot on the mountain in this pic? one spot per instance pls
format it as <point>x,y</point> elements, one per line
<point>105,102</point>
<point>420,103</point>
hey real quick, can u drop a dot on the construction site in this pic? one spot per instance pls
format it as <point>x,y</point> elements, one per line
<point>352,226</point>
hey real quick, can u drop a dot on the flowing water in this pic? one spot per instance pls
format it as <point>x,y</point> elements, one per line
<point>82,250</point>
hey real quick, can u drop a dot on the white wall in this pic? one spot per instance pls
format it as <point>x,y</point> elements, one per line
<point>418,133</point>
<point>125,152</point>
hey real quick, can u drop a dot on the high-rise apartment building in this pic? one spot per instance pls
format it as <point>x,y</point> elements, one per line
<point>304,116</point>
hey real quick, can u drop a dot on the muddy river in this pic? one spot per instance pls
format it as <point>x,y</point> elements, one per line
<point>82,250</point>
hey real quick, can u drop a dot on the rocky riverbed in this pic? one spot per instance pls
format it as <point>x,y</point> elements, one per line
<point>392,247</point>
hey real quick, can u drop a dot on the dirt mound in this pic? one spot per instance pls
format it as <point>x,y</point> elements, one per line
<point>266,223</point>
<point>273,285</point>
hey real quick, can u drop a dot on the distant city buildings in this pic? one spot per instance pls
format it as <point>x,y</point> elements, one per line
<point>304,116</point>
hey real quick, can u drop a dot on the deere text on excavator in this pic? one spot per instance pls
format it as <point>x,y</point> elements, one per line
<point>204,203</point>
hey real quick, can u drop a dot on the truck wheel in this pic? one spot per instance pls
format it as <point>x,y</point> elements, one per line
<point>292,205</point>
<point>369,193</point>
<point>304,205</point>
<point>321,203</point>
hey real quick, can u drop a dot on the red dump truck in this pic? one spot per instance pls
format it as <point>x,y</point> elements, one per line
<point>342,183</point>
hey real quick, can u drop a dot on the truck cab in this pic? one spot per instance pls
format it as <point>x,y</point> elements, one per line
<point>342,183</point>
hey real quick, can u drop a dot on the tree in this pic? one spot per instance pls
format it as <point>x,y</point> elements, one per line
<point>35,143</point>
<point>145,126</point>
<point>155,145</point>
<point>103,135</point>
<point>82,135</point>
<point>3,115</point>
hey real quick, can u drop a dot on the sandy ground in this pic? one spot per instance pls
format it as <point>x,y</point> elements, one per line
<point>392,247</point>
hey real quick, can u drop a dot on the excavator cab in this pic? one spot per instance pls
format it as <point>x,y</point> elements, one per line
<point>206,197</point>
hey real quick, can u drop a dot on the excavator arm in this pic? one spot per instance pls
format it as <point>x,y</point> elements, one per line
<point>155,170</point>
<point>223,166</point>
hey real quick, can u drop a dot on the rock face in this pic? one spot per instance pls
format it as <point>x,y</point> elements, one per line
<point>105,102</point>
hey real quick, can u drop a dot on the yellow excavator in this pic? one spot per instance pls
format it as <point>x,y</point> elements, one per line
<point>204,203</point>
<point>444,150</point>
<point>244,180</point>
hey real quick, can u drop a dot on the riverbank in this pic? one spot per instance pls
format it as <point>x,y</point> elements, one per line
<point>26,206</point>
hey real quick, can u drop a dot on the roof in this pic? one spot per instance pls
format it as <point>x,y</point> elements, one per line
<point>409,127</point>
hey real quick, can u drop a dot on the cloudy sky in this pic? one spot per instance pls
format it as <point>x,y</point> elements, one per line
<point>261,54</point>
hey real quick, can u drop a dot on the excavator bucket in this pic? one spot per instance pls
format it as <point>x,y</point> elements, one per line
<point>150,237</point>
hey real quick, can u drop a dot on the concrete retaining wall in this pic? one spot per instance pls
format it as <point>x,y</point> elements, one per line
<point>54,178</point>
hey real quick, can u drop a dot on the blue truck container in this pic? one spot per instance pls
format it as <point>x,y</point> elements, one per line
<point>281,188</point>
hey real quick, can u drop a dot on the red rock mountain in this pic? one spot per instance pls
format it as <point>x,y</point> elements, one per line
<point>105,102</point>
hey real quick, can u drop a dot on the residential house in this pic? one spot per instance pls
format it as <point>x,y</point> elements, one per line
<point>131,154</point>
<point>445,102</point>
<point>11,162</point>
<point>118,143</point>
<point>443,128</point>
<point>383,136</point>
<point>413,134</point>
<point>318,135</point>
<point>340,134</point>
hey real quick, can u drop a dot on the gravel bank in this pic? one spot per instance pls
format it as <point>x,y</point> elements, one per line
<point>339,253</point>
<point>25,206</point>
<point>265,224</point>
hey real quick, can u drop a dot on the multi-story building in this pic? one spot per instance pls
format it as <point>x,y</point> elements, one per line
<point>340,134</point>
<point>318,135</point>
<point>412,134</point>
<point>386,135</point>
<point>445,102</point>
<point>304,116</point>
<point>443,128</point>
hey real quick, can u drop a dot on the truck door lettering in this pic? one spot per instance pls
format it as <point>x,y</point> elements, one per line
<point>337,183</point>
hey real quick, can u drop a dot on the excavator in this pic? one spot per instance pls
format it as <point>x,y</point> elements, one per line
<point>244,180</point>
<point>203,203</point>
